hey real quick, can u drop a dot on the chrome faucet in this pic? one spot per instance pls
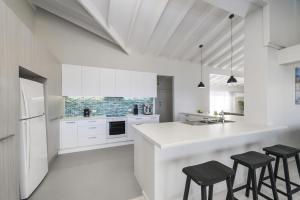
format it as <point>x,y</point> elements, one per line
<point>222,116</point>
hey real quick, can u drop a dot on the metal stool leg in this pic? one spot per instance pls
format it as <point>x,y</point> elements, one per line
<point>203,193</point>
<point>272,180</point>
<point>262,175</point>
<point>254,186</point>
<point>248,183</point>
<point>235,166</point>
<point>211,192</point>
<point>276,168</point>
<point>187,188</point>
<point>298,163</point>
<point>229,189</point>
<point>287,179</point>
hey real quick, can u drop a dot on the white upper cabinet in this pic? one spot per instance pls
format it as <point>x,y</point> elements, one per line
<point>124,83</point>
<point>108,82</point>
<point>71,80</point>
<point>150,84</point>
<point>91,81</point>
<point>144,84</point>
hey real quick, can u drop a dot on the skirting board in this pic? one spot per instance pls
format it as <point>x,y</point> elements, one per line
<point>101,146</point>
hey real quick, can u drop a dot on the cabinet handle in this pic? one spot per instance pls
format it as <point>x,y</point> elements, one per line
<point>92,127</point>
<point>139,118</point>
<point>92,137</point>
<point>70,122</point>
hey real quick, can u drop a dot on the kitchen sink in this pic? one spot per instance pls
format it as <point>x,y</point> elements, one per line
<point>205,122</point>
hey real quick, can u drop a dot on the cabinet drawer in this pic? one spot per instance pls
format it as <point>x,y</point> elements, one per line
<point>86,131</point>
<point>91,140</point>
<point>91,122</point>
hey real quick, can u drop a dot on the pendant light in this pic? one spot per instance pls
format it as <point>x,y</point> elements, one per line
<point>232,80</point>
<point>201,84</point>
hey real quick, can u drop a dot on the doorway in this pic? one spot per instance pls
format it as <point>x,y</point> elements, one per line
<point>164,100</point>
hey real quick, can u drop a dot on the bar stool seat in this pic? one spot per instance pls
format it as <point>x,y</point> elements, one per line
<point>206,175</point>
<point>282,151</point>
<point>252,159</point>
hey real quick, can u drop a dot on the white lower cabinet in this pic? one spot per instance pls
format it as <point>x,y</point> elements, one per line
<point>68,134</point>
<point>91,135</point>
<point>138,120</point>
<point>79,135</point>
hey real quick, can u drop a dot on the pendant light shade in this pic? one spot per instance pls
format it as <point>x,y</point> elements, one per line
<point>232,80</point>
<point>201,84</point>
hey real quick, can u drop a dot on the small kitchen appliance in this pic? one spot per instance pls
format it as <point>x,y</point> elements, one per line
<point>86,112</point>
<point>148,109</point>
<point>135,110</point>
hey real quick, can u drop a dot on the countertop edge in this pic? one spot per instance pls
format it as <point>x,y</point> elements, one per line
<point>246,133</point>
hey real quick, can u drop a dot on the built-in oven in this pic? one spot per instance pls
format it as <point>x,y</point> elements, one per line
<point>117,127</point>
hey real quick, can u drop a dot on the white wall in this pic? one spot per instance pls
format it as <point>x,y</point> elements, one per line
<point>73,45</point>
<point>269,87</point>
<point>282,23</point>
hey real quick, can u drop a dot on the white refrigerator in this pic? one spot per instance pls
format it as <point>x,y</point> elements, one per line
<point>33,138</point>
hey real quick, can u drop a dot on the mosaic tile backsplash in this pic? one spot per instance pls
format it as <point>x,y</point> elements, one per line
<point>74,106</point>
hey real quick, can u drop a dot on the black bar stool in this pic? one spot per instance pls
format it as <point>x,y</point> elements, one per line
<point>253,161</point>
<point>206,175</point>
<point>284,153</point>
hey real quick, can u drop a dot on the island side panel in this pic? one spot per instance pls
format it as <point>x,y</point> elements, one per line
<point>169,179</point>
<point>144,165</point>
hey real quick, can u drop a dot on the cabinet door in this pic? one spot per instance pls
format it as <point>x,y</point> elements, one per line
<point>68,135</point>
<point>150,84</point>
<point>71,80</point>
<point>108,82</point>
<point>123,83</point>
<point>91,135</point>
<point>91,81</point>
<point>138,84</point>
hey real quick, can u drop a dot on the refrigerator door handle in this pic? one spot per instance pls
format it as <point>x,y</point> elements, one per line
<point>27,139</point>
<point>25,103</point>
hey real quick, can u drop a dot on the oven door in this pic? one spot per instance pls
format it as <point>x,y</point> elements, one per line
<point>116,129</point>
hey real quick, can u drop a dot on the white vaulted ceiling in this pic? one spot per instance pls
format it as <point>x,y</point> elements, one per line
<point>168,28</point>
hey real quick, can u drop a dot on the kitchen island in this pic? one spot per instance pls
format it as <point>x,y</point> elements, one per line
<point>162,150</point>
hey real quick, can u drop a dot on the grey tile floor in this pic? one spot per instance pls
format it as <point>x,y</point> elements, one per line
<point>107,174</point>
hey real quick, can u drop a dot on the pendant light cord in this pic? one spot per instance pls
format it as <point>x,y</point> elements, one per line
<point>231,17</point>
<point>201,66</point>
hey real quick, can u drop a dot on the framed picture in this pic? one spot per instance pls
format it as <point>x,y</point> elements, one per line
<point>297,100</point>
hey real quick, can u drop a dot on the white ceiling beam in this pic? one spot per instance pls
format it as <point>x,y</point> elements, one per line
<point>31,4</point>
<point>227,56</point>
<point>168,35</point>
<point>133,20</point>
<point>219,42</point>
<point>198,23</point>
<point>238,7</point>
<point>108,13</point>
<point>160,12</point>
<point>73,16</point>
<point>194,50</point>
<point>239,65</point>
<point>238,42</point>
<point>235,62</point>
<point>89,6</point>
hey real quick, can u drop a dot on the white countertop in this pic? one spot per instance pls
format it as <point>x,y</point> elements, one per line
<point>173,134</point>
<point>104,117</point>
